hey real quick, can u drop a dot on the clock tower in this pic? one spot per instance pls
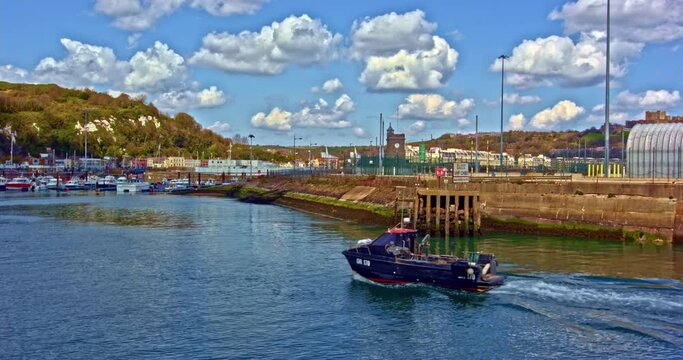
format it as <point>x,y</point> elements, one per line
<point>396,144</point>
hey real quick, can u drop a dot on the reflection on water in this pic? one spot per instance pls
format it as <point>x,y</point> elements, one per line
<point>530,253</point>
<point>91,213</point>
<point>523,254</point>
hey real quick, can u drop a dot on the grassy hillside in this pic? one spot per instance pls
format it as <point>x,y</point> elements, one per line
<point>532,142</point>
<point>50,116</point>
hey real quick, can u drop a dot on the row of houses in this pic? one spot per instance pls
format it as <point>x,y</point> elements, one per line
<point>484,158</point>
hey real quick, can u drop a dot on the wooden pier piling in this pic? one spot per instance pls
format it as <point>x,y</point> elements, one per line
<point>439,211</point>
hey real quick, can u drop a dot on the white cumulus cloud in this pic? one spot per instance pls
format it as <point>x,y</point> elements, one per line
<point>434,107</point>
<point>84,65</point>
<point>183,100</point>
<point>648,100</point>
<point>517,121</point>
<point>155,67</point>
<point>12,73</point>
<point>563,112</point>
<point>517,99</point>
<point>296,40</point>
<point>632,20</point>
<point>319,114</point>
<point>228,7</point>
<point>137,15</point>
<point>277,119</point>
<point>219,127</point>
<point>415,128</point>
<point>411,70</point>
<point>359,132</point>
<point>386,34</point>
<point>597,115</point>
<point>133,40</point>
<point>557,60</point>
<point>329,87</point>
<point>158,73</point>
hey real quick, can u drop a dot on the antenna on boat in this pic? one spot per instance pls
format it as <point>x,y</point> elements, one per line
<point>401,190</point>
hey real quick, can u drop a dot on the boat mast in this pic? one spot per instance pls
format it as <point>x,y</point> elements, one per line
<point>11,148</point>
<point>85,128</point>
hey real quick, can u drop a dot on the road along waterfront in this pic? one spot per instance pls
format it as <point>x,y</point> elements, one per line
<point>150,276</point>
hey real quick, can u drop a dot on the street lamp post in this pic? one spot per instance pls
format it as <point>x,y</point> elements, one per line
<point>502,82</point>
<point>476,144</point>
<point>294,151</point>
<point>606,162</point>
<point>353,160</point>
<point>251,154</point>
<point>85,128</point>
<point>310,158</point>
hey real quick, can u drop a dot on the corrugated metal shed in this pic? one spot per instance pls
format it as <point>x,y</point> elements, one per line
<point>655,151</point>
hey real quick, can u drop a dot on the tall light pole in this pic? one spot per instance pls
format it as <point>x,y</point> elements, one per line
<point>353,159</point>
<point>380,144</point>
<point>476,144</point>
<point>85,129</point>
<point>502,82</point>
<point>294,151</point>
<point>606,161</point>
<point>310,159</point>
<point>251,154</point>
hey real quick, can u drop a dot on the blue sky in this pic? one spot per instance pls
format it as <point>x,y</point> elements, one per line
<point>324,70</point>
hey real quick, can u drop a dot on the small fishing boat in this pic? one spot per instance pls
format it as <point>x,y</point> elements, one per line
<point>396,257</point>
<point>19,183</point>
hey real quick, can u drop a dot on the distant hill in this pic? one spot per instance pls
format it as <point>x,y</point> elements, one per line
<point>51,116</point>
<point>560,143</point>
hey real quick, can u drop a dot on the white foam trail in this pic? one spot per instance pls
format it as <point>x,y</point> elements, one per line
<point>578,295</point>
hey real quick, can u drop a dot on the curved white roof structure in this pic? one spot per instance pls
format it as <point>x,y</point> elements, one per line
<point>655,150</point>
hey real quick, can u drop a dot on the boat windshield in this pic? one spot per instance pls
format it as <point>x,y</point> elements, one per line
<point>404,240</point>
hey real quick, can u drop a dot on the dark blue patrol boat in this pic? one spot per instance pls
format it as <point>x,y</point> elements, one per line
<point>395,257</point>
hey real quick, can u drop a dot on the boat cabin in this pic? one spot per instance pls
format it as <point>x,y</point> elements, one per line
<point>394,241</point>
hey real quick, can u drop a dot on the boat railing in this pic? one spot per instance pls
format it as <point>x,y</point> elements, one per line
<point>357,247</point>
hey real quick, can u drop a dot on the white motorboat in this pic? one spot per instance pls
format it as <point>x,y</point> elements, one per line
<point>124,185</point>
<point>53,183</point>
<point>91,182</point>
<point>108,183</point>
<point>20,183</point>
<point>179,185</point>
<point>74,184</point>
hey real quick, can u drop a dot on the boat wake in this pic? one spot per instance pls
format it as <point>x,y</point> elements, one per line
<point>580,295</point>
<point>608,308</point>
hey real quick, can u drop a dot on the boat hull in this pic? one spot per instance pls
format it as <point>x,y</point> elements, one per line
<point>17,187</point>
<point>132,187</point>
<point>106,187</point>
<point>390,270</point>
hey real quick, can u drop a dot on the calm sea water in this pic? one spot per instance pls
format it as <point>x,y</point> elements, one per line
<point>158,276</point>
